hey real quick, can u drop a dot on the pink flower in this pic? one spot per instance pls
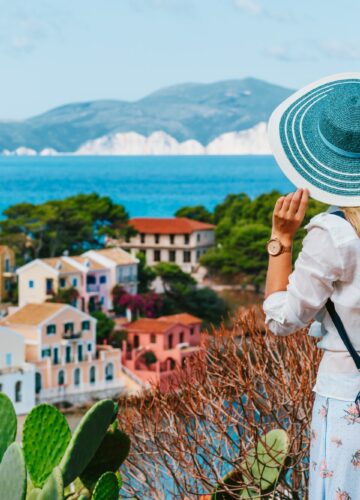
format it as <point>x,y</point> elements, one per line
<point>323,411</point>
<point>336,441</point>
<point>313,434</point>
<point>356,459</point>
<point>324,471</point>
<point>342,495</point>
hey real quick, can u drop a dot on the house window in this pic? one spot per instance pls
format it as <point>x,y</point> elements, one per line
<point>157,238</point>
<point>109,372</point>
<point>80,352</point>
<point>8,359</point>
<point>102,300</point>
<point>69,328</point>
<point>91,279</point>
<point>31,283</point>
<point>153,338</point>
<point>62,282</point>
<point>157,255</point>
<point>172,239</point>
<point>74,282</point>
<point>49,286</point>
<point>7,265</point>
<point>18,392</point>
<point>89,347</point>
<point>68,354</point>
<point>61,377</point>
<point>51,329</point>
<point>198,237</point>
<point>56,355</point>
<point>191,331</point>
<point>85,325</point>
<point>77,376</point>
<point>46,353</point>
<point>102,280</point>
<point>198,254</point>
<point>170,341</point>
<point>142,238</point>
<point>136,341</point>
<point>181,337</point>
<point>172,256</point>
<point>187,256</point>
<point>186,239</point>
<point>38,383</point>
<point>92,375</point>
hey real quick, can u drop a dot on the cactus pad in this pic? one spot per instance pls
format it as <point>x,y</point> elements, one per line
<point>45,438</point>
<point>109,456</point>
<point>53,489</point>
<point>13,474</point>
<point>8,424</point>
<point>107,488</point>
<point>232,480</point>
<point>87,439</point>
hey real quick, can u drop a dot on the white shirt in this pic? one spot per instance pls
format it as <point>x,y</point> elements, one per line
<point>327,266</point>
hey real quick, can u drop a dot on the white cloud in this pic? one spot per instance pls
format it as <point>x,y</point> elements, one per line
<point>250,6</point>
<point>339,50</point>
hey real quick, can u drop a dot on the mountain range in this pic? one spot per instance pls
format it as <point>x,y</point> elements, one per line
<point>191,118</point>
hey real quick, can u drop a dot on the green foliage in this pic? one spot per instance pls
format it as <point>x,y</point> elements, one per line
<point>86,439</point>
<point>13,481</point>
<point>110,455</point>
<point>104,325</point>
<point>198,212</point>
<point>149,358</point>
<point>93,451</point>
<point>243,228</point>
<point>73,224</point>
<point>146,274</point>
<point>260,469</point>
<point>182,295</point>
<point>65,296</point>
<point>8,423</point>
<point>42,455</point>
<point>107,488</point>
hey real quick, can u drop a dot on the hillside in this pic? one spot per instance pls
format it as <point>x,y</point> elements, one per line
<point>197,112</point>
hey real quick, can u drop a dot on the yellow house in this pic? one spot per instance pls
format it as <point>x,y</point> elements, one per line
<point>7,271</point>
<point>60,341</point>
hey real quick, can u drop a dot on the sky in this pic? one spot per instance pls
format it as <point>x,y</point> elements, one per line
<point>54,53</point>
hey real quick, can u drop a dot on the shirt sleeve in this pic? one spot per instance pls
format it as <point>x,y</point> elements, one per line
<point>317,267</point>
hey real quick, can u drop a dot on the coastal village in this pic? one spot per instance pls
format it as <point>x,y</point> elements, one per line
<point>50,351</point>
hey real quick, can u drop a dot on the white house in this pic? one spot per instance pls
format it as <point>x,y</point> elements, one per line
<point>17,378</point>
<point>179,240</point>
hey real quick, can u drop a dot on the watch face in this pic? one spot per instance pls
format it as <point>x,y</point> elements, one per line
<point>274,247</point>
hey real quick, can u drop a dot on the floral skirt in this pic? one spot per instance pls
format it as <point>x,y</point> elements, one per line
<point>335,450</point>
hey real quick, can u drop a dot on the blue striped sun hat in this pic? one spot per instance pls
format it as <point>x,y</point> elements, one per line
<point>315,138</point>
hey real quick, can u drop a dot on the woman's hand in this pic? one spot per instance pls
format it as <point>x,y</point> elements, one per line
<point>289,212</point>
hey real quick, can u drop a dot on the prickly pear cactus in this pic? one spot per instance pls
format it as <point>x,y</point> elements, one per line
<point>109,456</point>
<point>264,464</point>
<point>13,474</point>
<point>8,424</point>
<point>45,438</point>
<point>54,488</point>
<point>107,487</point>
<point>87,438</point>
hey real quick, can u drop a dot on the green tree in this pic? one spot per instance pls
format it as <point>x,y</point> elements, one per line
<point>65,296</point>
<point>104,326</point>
<point>73,224</point>
<point>146,274</point>
<point>198,212</point>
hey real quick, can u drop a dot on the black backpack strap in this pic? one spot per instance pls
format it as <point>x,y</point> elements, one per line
<point>342,332</point>
<point>337,320</point>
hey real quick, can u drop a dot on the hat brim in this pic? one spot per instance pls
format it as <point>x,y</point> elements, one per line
<point>300,151</point>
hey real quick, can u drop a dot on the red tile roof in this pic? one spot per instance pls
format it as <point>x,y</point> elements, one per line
<point>149,325</point>
<point>184,318</point>
<point>176,225</point>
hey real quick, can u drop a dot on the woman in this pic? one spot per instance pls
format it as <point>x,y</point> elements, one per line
<point>315,136</point>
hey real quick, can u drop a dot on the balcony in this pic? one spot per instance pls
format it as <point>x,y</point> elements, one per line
<point>71,335</point>
<point>92,288</point>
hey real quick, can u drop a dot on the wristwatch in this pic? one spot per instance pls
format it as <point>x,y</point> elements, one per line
<point>274,247</point>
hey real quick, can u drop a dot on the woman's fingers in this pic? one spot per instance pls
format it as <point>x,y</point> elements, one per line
<point>295,202</point>
<point>279,204</point>
<point>303,203</point>
<point>286,204</point>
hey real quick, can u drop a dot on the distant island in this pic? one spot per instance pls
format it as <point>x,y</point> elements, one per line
<point>220,118</point>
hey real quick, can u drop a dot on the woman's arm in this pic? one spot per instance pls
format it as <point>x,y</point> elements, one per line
<point>288,216</point>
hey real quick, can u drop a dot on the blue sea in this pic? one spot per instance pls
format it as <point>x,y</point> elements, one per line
<point>145,185</point>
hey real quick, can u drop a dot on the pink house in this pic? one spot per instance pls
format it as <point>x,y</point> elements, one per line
<point>156,347</point>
